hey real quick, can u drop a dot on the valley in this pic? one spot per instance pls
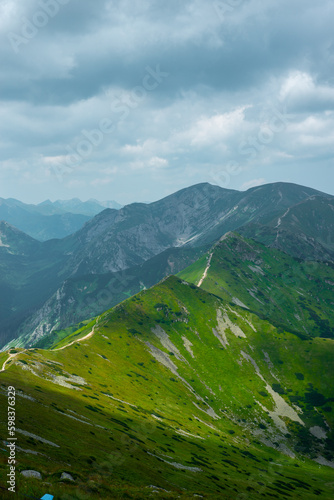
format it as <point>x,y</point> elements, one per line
<point>175,349</point>
<point>111,254</point>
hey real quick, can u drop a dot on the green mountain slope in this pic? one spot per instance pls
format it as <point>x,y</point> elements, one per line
<point>176,389</point>
<point>117,240</point>
<point>304,230</point>
<point>90,295</point>
<point>291,293</point>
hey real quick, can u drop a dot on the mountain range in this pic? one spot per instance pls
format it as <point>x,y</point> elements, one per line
<point>49,220</point>
<point>37,277</point>
<point>177,349</point>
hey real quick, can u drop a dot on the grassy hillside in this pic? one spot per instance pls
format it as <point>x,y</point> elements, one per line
<point>115,241</point>
<point>178,390</point>
<point>290,293</point>
<point>90,295</point>
<point>57,336</point>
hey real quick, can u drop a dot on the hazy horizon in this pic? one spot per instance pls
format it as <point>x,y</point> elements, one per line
<point>83,200</point>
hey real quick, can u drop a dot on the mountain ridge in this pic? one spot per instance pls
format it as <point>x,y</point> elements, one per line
<point>50,220</point>
<point>116,240</point>
<point>289,292</point>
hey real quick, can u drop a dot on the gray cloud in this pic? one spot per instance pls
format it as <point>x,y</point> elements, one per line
<point>228,77</point>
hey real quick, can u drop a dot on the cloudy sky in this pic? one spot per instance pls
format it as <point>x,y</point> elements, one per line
<point>134,99</point>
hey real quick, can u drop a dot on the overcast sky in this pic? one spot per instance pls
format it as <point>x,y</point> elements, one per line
<point>132,100</point>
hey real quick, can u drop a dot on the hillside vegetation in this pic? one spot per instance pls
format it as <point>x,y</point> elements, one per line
<point>293,294</point>
<point>176,389</point>
<point>40,280</point>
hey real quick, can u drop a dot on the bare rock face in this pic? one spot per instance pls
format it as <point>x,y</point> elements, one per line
<point>116,240</point>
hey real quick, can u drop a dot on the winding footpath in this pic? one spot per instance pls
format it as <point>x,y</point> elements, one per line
<point>11,356</point>
<point>206,271</point>
<point>88,336</point>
